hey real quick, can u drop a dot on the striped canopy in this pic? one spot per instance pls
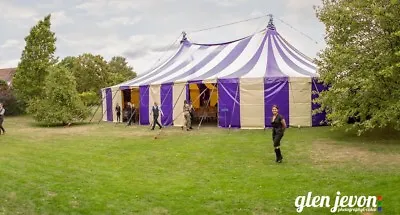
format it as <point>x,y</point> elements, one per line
<point>261,55</point>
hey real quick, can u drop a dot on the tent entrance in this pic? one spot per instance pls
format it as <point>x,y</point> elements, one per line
<point>131,96</point>
<point>204,98</point>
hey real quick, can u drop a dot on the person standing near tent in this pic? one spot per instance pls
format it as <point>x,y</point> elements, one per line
<point>2,112</point>
<point>156,111</point>
<point>278,129</point>
<point>191,114</point>
<point>186,113</point>
<point>118,110</point>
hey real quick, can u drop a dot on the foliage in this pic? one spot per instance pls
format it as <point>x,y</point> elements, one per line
<point>89,98</point>
<point>11,104</point>
<point>61,102</point>
<point>120,70</point>
<point>361,63</point>
<point>36,58</point>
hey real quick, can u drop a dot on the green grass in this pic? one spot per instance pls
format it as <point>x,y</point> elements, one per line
<point>112,169</point>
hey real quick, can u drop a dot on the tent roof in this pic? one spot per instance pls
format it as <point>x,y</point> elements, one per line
<point>261,55</point>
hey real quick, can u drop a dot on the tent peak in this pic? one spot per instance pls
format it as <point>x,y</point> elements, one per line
<point>184,38</point>
<point>271,25</point>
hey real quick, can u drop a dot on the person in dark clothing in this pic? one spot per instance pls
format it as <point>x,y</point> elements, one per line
<point>2,112</point>
<point>278,129</point>
<point>118,110</point>
<point>156,111</point>
<point>129,114</point>
<point>133,119</point>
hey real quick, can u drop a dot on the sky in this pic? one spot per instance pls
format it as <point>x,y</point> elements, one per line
<point>144,31</point>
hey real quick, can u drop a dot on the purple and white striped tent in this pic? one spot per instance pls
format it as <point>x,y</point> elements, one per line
<point>251,75</point>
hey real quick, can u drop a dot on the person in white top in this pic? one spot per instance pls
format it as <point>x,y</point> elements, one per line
<point>2,111</point>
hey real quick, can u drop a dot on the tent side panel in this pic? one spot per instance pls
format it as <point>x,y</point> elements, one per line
<point>252,103</point>
<point>104,104</point>
<point>166,104</point>
<point>179,95</point>
<point>317,119</point>
<point>144,105</point>
<point>109,105</point>
<point>276,92</point>
<point>300,100</point>
<point>228,104</point>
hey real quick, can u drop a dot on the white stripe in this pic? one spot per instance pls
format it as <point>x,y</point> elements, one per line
<point>212,63</point>
<point>243,58</point>
<point>295,61</point>
<point>260,68</point>
<point>149,72</point>
<point>195,58</point>
<point>285,69</point>
<point>293,51</point>
<point>185,56</point>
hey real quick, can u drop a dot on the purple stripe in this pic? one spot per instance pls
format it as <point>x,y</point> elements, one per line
<point>166,104</point>
<point>228,105</point>
<point>281,43</point>
<point>317,119</point>
<point>276,92</point>
<point>272,67</point>
<point>144,105</point>
<point>251,64</point>
<point>290,63</point>
<point>109,105</point>
<point>232,56</point>
<point>169,63</point>
<point>200,65</point>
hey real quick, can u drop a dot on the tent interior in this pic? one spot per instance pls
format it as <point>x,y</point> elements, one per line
<point>204,99</point>
<point>131,95</point>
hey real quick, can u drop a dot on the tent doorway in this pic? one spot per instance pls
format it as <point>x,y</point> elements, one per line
<point>131,96</point>
<point>204,98</point>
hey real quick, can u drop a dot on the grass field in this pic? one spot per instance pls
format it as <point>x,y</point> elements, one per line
<point>112,169</point>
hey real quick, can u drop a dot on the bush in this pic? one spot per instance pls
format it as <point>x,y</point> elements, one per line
<point>61,102</point>
<point>11,104</point>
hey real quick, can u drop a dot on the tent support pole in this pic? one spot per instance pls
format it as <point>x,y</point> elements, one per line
<point>208,103</point>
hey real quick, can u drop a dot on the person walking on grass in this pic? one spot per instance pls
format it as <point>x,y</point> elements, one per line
<point>156,111</point>
<point>278,130</point>
<point>2,112</point>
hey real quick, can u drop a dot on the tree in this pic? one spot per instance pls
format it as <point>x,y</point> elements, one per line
<point>361,63</point>
<point>60,102</point>
<point>120,70</point>
<point>36,58</point>
<point>91,73</point>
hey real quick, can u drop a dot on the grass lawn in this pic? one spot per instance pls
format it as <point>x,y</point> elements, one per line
<point>111,169</point>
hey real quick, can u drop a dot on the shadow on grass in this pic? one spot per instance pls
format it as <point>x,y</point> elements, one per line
<point>59,125</point>
<point>387,136</point>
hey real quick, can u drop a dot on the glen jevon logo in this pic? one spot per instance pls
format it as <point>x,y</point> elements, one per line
<point>341,203</point>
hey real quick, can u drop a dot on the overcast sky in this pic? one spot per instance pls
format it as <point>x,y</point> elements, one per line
<point>144,30</point>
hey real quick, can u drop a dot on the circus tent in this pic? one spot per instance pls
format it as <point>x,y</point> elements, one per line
<point>242,78</point>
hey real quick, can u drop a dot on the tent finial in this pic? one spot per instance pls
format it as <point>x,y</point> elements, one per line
<point>271,25</point>
<point>184,38</point>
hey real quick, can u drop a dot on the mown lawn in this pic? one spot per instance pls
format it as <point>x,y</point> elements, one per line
<point>112,169</point>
